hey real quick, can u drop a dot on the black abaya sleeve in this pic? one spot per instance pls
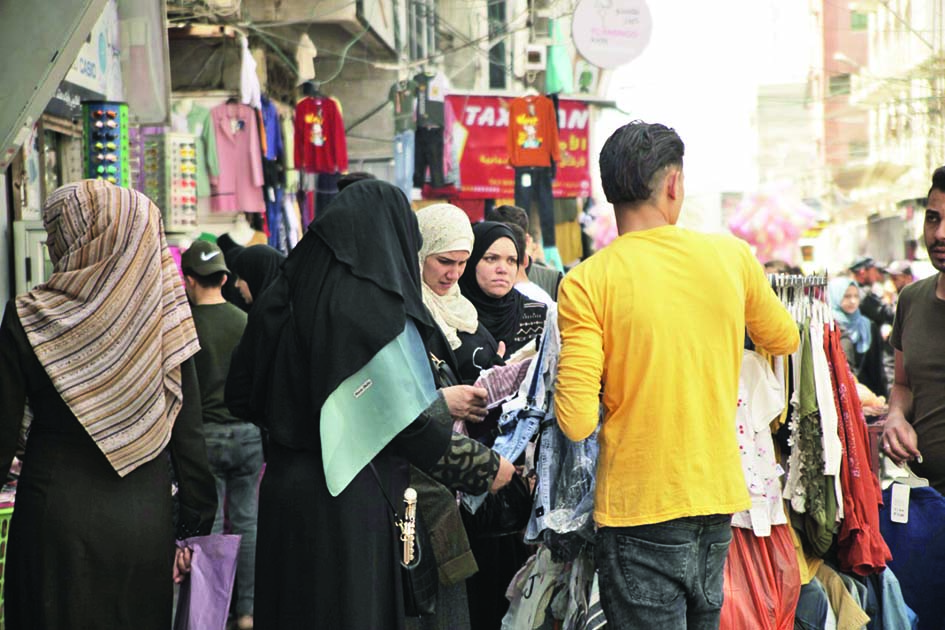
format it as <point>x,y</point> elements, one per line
<point>456,461</point>
<point>196,487</point>
<point>12,388</point>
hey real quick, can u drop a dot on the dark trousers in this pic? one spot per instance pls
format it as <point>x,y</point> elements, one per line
<point>666,575</point>
<point>428,152</point>
<point>538,188</point>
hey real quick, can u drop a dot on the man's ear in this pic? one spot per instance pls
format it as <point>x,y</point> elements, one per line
<point>672,184</point>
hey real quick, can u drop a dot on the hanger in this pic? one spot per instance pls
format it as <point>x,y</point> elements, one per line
<point>911,479</point>
<point>232,100</point>
<point>530,83</point>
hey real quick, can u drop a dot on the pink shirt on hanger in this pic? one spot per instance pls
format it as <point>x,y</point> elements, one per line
<point>238,184</point>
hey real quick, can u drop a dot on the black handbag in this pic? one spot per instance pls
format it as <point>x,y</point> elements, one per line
<point>503,513</point>
<point>421,577</point>
<point>443,375</point>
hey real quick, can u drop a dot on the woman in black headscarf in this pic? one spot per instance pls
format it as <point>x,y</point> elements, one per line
<point>342,426</point>
<point>489,283</point>
<point>256,267</point>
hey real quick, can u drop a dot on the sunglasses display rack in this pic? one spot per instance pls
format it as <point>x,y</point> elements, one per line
<point>148,147</point>
<point>105,143</point>
<point>180,206</point>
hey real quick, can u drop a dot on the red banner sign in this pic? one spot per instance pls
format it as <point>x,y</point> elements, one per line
<point>477,157</point>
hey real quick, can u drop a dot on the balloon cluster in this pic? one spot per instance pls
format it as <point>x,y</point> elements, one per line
<point>772,222</point>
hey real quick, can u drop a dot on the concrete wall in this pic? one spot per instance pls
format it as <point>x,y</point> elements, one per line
<point>360,86</point>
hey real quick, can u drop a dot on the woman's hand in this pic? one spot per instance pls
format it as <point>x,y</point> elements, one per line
<point>466,403</point>
<point>182,559</point>
<point>503,476</point>
<point>900,442</point>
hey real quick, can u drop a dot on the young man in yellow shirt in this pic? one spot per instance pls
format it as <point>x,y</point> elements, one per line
<point>656,321</point>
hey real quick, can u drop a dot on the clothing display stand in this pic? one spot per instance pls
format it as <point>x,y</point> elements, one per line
<point>534,151</point>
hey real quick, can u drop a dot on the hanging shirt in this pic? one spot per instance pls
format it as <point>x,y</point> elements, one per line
<point>320,144</point>
<point>237,186</point>
<point>760,399</point>
<point>272,126</point>
<point>664,333</point>
<point>533,132</point>
<point>402,97</point>
<point>431,99</point>
<point>197,121</point>
<point>860,545</point>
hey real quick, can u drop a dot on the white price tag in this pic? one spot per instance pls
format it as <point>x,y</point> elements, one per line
<point>899,508</point>
<point>526,180</point>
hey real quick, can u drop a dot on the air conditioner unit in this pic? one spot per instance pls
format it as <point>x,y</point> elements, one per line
<point>535,58</point>
<point>226,6</point>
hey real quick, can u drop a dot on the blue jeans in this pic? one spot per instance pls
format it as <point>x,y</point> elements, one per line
<point>403,161</point>
<point>666,575</point>
<point>236,458</point>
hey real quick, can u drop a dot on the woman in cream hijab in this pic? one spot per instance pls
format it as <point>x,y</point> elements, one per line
<point>447,245</point>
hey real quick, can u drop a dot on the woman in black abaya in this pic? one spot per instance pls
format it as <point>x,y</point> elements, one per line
<point>309,370</point>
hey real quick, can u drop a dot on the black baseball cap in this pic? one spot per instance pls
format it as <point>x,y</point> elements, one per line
<point>864,262</point>
<point>203,258</point>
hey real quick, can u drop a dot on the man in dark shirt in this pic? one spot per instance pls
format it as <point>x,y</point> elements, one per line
<point>915,426</point>
<point>234,447</point>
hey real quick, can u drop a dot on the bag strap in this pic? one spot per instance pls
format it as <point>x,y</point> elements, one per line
<point>383,491</point>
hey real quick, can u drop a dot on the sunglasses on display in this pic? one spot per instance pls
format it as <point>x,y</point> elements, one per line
<point>102,113</point>
<point>111,168</point>
<point>111,124</point>
<point>106,157</point>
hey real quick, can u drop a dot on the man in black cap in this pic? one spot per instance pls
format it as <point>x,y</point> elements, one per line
<point>866,273</point>
<point>234,447</point>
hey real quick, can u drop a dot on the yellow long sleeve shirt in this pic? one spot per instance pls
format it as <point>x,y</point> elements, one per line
<point>658,318</point>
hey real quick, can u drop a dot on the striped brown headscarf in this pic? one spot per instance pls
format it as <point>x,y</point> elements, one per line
<point>112,325</point>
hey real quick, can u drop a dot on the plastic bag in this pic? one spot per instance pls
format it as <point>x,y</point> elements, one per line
<point>574,488</point>
<point>762,581</point>
<point>204,600</point>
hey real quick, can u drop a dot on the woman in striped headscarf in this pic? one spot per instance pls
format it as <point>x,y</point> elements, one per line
<point>99,358</point>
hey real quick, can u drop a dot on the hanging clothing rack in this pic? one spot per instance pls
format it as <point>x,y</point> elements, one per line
<point>781,280</point>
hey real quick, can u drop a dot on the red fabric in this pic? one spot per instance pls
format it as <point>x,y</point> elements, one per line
<point>533,132</point>
<point>762,581</point>
<point>860,545</point>
<point>320,144</point>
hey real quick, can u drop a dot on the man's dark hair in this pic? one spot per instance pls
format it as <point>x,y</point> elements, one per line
<point>212,281</point>
<point>633,155</point>
<point>938,180</point>
<point>519,239</point>
<point>352,178</point>
<point>510,215</point>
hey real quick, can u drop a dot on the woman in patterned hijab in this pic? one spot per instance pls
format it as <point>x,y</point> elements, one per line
<point>101,353</point>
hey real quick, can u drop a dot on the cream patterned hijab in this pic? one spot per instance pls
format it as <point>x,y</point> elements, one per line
<point>446,228</point>
<point>112,325</point>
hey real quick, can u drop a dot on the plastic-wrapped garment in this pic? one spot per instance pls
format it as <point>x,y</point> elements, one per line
<point>573,507</point>
<point>562,516</point>
<point>204,601</point>
<point>762,581</point>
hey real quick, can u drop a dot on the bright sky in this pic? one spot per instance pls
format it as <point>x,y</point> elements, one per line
<point>700,73</point>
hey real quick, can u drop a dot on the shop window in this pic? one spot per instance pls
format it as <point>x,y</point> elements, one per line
<point>858,21</point>
<point>839,84</point>
<point>498,57</point>
<point>858,150</point>
<point>421,27</point>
